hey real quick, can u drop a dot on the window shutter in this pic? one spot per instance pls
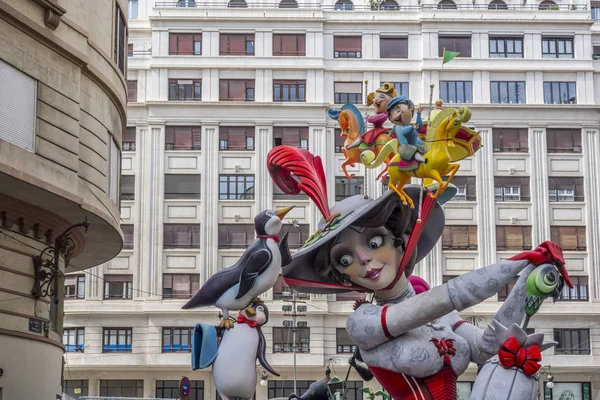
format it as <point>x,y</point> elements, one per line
<point>185,45</point>
<point>525,190</point>
<point>237,138</point>
<point>348,87</point>
<point>18,94</point>
<point>447,236</point>
<point>113,177</point>
<point>196,137</point>
<point>237,44</point>
<point>472,229</point>
<point>393,47</point>
<point>173,43</point>
<point>581,239</point>
<point>347,43</point>
<point>129,135</point>
<point>500,238</point>
<point>277,45</point>
<point>514,237</point>
<point>291,136</point>
<point>579,193</point>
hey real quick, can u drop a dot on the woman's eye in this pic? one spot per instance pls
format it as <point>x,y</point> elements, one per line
<point>375,242</point>
<point>346,260</point>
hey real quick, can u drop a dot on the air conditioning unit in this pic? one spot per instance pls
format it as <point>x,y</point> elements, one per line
<point>302,324</point>
<point>302,308</point>
<point>286,294</point>
<point>286,308</point>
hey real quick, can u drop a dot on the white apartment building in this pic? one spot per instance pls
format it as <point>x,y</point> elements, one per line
<point>212,87</point>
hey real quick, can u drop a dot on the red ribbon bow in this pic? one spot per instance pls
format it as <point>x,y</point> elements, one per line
<point>243,320</point>
<point>511,354</point>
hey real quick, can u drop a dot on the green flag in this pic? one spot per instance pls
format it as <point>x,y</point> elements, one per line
<point>449,55</point>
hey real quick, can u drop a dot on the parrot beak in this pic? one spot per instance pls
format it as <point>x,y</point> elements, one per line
<point>283,211</point>
<point>250,311</point>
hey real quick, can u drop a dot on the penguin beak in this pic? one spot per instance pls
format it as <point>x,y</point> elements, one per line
<point>250,311</point>
<point>282,211</point>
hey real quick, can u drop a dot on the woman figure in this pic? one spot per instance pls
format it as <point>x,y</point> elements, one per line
<point>379,100</point>
<point>415,345</point>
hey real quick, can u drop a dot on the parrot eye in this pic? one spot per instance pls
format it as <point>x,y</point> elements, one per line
<point>270,213</point>
<point>550,278</point>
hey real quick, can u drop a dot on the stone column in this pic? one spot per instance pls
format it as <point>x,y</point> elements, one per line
<point>591,151</point>
<point>209,238</point>
<point>539,184</point>
<point>263,188</point>
<point>486,213</point>
<point>149,224</point>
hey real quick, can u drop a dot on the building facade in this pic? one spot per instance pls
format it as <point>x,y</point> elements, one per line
<point>213,89</point>
<point>62,106</point>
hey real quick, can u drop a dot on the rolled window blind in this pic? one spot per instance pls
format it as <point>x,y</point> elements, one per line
<point>17,107</point>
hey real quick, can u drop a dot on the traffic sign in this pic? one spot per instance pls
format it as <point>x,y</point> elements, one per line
<point>185,387</point>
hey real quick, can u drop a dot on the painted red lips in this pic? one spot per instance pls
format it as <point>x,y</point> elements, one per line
<point>374,274</point>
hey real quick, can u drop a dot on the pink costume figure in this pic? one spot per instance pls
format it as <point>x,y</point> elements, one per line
<point>416,345</point>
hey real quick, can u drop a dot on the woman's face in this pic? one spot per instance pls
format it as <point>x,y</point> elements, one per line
<point>380,102</point>
<point>367,256</point>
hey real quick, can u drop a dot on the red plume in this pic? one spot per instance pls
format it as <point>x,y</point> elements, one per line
<point>283,161</point>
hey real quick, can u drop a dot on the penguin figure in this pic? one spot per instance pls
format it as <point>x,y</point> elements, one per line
<point>316,390</point>
<point>255,272</point>
<point>234,368</point>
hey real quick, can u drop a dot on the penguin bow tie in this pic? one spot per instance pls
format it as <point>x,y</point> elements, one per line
<point>243,320</point>
<point>511,354</point>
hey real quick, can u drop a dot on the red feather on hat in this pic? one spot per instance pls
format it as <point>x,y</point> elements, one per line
<point>285,161</point>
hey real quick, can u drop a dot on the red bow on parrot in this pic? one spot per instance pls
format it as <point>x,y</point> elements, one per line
<point>241,319</point>
<point>511,354</point>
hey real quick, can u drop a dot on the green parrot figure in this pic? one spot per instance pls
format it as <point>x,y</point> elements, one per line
<point>545,281</point>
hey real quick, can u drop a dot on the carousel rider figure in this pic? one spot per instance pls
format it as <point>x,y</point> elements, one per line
<point>400,112</point>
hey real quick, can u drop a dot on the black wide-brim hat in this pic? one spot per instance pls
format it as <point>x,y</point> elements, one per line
<point>303,272</point>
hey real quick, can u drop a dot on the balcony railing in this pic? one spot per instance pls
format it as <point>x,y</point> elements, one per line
<point>383,9</point>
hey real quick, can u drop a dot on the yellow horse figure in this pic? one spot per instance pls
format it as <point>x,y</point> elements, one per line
<point>438,156</point>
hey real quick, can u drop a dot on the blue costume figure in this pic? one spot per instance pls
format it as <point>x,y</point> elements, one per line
<point>400,112</point>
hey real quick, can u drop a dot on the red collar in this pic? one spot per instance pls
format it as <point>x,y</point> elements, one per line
<point>274,237</point>
<point>243,320</point>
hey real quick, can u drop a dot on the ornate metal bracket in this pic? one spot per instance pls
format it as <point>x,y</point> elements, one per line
<point>46,265</point>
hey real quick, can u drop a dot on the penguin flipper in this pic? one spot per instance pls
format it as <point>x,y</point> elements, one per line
<point>255,265</point>
<point>261,354</point>
<point>284,249</point>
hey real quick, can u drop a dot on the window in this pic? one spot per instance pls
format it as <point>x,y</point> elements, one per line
<point>122,388</point>
<point>180,286</point>
<point>129,139</point>
<point>347,46</point>
<point>114,170</point>
<point>579,291</point>
<point>237,4</point>
<point>279,195</point>
<point>596,49</point>
<point>296,235</point>
<point>570,238</point>
<point>565,188</point>
<point>446,5</point>
<point>74,389</point>
<point>572,341</point>
<point>236,187</point>
<point>465,186</point>
<point>73,339</point>
<point>343,5</point>
<point>457,91</point>
<point>457,237</point>
<point>186,3</point>
<point>595,11</point>
<point>388,5</point>
<point>236,90</point>
<point>506,289</point>
<point>289,45</point>
<point>183,137</point>
<point>506,47</point>
<point>75,287</point>
<point>236,44</point>
<point>513,238</point>
<point>548,5</point>
<point>510,140</point>
<point>289,91</point>
<point>118,287</point>
<point>127,236</point>
<point>557,47</point>
<point>236,138</point>
<point>461,44</point>
<point>186,44</point>
<point>181,236</point>
<point>170,390</point>
<point>343,342</point>
<point>297,137</point>
<point>345,187</point>
<point>560,93</point>
<point>236,235</point>
<point>507,92</point>
<point>349,296</point>
<point>497,5</point>
<point>130,50</point>
<point>279,388</point>
<point>569,390</point>
<point>116,340</point>
<point>347,92</point>
<point>563,140</point>
<point>132,9</point>
<point>127,187</point>
<point>120,36</point>
<point>182,186</point>
<point>283,340</point>
<point>185,89</point>
<point>511,188</point>
<point>288,4</point>
<point>339,140</point>
<point>18,128</point>
<point>282,290</point>
<point>401,87</point>
<point>393,47</point>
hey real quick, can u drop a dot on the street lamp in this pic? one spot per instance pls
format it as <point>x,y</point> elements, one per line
<point>263,378</point>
